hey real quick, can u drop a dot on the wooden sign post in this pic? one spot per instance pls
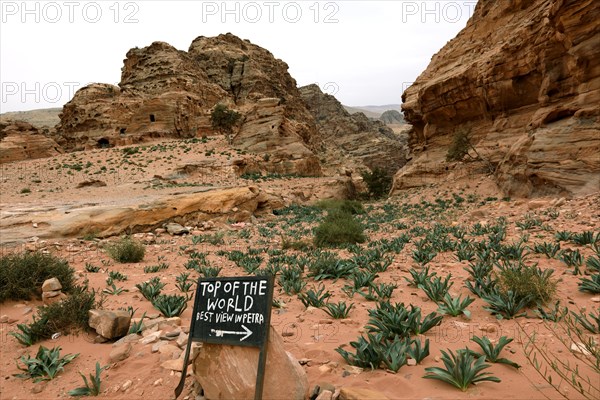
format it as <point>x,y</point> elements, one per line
<point>234,311</point>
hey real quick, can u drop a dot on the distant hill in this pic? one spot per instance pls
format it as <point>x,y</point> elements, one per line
<point>44,117</point>
<point>372,111</point>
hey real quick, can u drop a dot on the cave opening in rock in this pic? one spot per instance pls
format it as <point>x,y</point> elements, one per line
<point>103,143</point>
<point>122,131</point>
<point>152,118</point>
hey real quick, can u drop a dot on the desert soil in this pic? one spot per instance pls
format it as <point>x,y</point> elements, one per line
<point>310,334</point>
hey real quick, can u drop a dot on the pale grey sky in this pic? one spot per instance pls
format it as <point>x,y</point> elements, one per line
<point>364,52</point>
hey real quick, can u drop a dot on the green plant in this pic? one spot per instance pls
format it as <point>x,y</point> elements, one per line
<point>138,326</point>
<point>314,298</point>
<point>590,285</point>
<point>328,266</point>
<point>349,206</point>
<point>338,228</point>
<point>378,181</point>
<point>170,305</point>
<point>585,237</point>
<point>45,365</point>
<point>393,353</point>
<point>91,388</point>
<point>126,250</point>
<point>420,277</point>
<point>156,268</point>
<point>461,370</point>
<point>214,239</point>
<point>548,249</point>
<point>506,304</point>
<point>593,263</point>
<point>526,281</point>
<point>22,275</point>
<point>31,333</point>
<point>367,354</point>
<point>338,310</point>
<point>114,290</point>
<point>436,289</point>
<point>223,119</point>
<point>91,268</point>
<point>117,276</point>
<point>491,352</point>
<point>392,320</point>
<point>592,326</point>
<point>291,280</point>
<point>418,352</point>
<point>455,306</point>
<point>150,289</point>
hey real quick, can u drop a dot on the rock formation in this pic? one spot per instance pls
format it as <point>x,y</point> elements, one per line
<point>165,92</point>
<point>392,117</point>
<point>361,141</point>
<point>20,140</point>
<point>523,78</point>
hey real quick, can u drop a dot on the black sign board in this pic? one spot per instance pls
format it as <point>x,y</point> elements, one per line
<point>233,311</point>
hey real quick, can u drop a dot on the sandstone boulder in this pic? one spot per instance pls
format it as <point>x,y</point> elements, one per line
<point>110,324</point>
<point>229,372</point>
<point>52,284</point>
<point>20,140</point>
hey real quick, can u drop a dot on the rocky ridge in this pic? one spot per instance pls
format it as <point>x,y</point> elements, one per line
<point>523,78</point>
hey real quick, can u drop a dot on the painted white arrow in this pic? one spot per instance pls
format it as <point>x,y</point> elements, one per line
<point>219,333</point>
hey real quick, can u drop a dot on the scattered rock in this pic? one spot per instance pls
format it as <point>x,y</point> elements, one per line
<point>126,385</point>
<point>50,285</point>
<point>120,353</point>
<point>110,324</point>
<point>353,369</point>
<point>176,229</point>
<point>411,362</point>
<point>325,395</point>
<point>580,348</point>
<point>173,365</point>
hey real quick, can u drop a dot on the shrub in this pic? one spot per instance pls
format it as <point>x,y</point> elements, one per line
<point>461,144</point>
<point>223,119</point>
<point>527,281</point>
<point>349,206</point>
<point>22,275</point>
<point>91,388</point>
<point>339,228</point>
<point>379,182</point>
<point>63,316</point>
<point>126,250</point>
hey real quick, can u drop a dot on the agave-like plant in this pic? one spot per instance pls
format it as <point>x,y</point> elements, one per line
<point>455,306</point>
<point>491,352</point>
<point>461,370</point>
<point>506,305</point>
<point>590,285</point>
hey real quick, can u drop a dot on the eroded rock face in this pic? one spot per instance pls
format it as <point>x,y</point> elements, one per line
<point>165,92</point>
<point>20,140</point>
<point>523,78</point>
<point>362,142</point>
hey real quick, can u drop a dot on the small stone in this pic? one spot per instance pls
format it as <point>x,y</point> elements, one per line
<point>182,339</point>
<point>157,382</point>
<point>151,338</point>
<point>580,348</point>
<point>119,353</point>
<point>595,299</point>
<point>176,229</point>
<point>39,387</point>
<point>304,361</point>
<point>3,319</point>
<point>437,358</point>
<point>51,284</point>
<point>173,365</point>
<point>27,310</point>
<point>126,385</point>
<point>53,297</point>
<point>110,324</point>
<point>158,345</point>
<point>325,395</point>
<point>411,362</point>
<point>325,368</point>
<point>353,369</point>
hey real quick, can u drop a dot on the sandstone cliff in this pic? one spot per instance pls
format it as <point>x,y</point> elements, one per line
<point>165,92</point>
<point>523,78</point>
<point>353,140</point>
<point>20,140</point>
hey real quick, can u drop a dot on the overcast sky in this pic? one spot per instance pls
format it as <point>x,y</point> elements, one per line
<point>364,52</point>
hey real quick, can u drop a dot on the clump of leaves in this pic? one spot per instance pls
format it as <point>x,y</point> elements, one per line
<point>170,305</point>
<point>150,289</point>
<point>338,310</point>
<point>455,306</point>
<point>526,281</point>
<point>590,285</point>
<point>22,275</point>
<point>314,298</point>
<point>151,269</point>
<point>45,365</point>
<point>126,250</point>
<point>339,228</point>
<point>436,289</point>
<point>223,119</point>
<point>506,304</point>
<point>491,352</point>
<point>461,370</point>
<point>91,388</point>
<point>378,181</point>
